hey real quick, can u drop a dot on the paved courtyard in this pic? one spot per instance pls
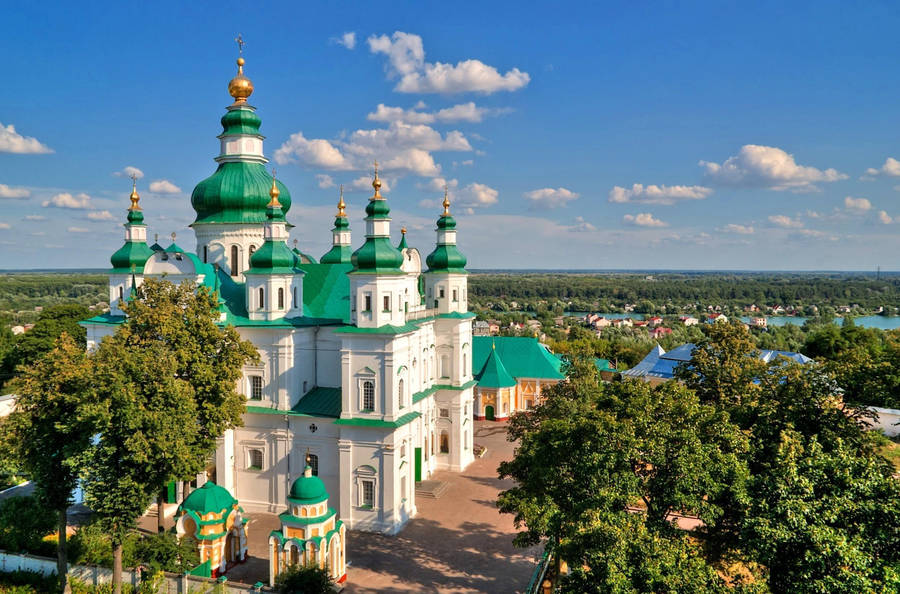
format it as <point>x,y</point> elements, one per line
<point>457,543</point>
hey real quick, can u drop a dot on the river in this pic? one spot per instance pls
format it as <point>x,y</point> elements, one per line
<point>880,322</point>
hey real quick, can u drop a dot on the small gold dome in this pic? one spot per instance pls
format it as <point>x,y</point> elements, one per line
<point>240,86</point>
<point>135,197</point>
<point>274,192</point>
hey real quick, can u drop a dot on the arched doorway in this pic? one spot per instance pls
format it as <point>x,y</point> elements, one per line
<point>489,413</point>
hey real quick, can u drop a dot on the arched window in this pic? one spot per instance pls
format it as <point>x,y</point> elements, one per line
<point>280,298</point>
<point>121,293</point>
<point>313,461</point>
<point>464,368</point>
<point>294,297</point>
<point>445,443</point>
<point>445,366</point>
<point>252,249</point>
<point>205,254</point>
<point>255,459</point>
<point>234,264</point>
<point>400,395</point>
<point>368,402</point>
<point>262,298</point>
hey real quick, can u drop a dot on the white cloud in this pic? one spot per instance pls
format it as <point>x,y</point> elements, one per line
<point>5,226</point>
<point>66,200</point>
<point>324,181</point>
<point>364,184</point>
<point>857,204</point>
<point>551,198</point>
<point>315,152</point>
<point>476,195</point>
<point>653,194</point>
<point>78,230</point>
<point>35,218</point>
<point>581,226</point>
<point>13,142</point>
<point>891,168</point>
<point>400,136</point>
<point>164,186</point>
<point>100,215</point>
<point>785,222</point>
<point>129,171</point>
<point>463,112</point>
<point>885,218</point>
<point>415,161</point>
<point>13,193</point>
<point>644,219</point>
<point>767,167</point>
<point>739,229</point>
<point>348,40</point>
<point>467,162</point>
<point>406,62</point>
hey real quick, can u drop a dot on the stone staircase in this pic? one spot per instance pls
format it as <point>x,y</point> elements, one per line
<point>431,489</point>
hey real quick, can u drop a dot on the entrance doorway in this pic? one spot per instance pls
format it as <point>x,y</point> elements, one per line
<point>489,413</point>
<point>418,464</point>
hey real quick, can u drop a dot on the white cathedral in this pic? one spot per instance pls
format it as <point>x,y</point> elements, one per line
<point>365,357</point>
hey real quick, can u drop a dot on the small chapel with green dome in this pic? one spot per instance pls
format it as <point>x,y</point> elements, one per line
<point>364,383</point>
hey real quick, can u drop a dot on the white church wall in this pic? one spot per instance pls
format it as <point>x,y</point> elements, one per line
<point>328,358</point>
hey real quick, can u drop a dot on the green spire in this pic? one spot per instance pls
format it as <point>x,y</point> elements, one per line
<point>274,256</point>
<point>494,374</point>
<point>134,253</point>
<point>340,253</point>
<point>446,257</point>
<point>402,245</point>
<point>377,255</point>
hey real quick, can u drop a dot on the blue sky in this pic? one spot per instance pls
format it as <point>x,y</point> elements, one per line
<point>584,135</point>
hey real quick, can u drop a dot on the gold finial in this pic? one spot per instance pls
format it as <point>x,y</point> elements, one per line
<point>403,230</point>
<point>446,202</point>
<point>341,204</point>
<point>307,472</point>
<point>240,86</point>
<point>376,183</point>
<point>274,193</point>
<point>173,237</point>
<point>134,194</point>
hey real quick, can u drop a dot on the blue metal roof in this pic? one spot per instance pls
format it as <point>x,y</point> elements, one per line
<point>661,364</point>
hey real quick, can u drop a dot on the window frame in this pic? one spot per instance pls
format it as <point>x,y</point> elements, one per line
<point>251,388</point>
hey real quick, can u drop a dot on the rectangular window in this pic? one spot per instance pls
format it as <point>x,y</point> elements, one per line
<point>367,299</point>
<point>368,399</point>
<point>254,459</point>
<point>387,303</point>
<point>403,450</point>
<point>444,412</point>
<point>256,387</point>
<point>368,493</point>
<point>403,488</point>
<point>441,292</point>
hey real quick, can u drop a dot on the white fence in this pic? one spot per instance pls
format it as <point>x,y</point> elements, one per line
<point>170,584</point>
<point>887,420</point>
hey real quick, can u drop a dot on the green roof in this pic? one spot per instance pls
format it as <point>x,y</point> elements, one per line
<point>237,192</point>
<point>210,498</point>
<point>292,519</point>
<point>307,490</point>
<point>407,418</point>
<point>493,374</point>
<point>272,257</point>
<point>338,254</point>
<point>446,258</point>
<point>320,402</point>
<point>377,256</point>
<point>326,291</point>
<point>132,255</point>
<point>522,356</point>
<point>240,121</point>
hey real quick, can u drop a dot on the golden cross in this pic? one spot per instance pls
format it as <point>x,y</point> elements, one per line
<point>240,42</point>
<point>376,168</point>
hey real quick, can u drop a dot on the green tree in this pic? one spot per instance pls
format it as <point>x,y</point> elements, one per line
<point>183,321</point>
<point>149,417</point>
<point>23,525</point>
<point>308,579</point>
<point>52,322</point>
<point>51,428</point>
<point>590,459</point>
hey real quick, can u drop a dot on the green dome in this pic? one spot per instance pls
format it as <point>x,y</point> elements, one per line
<point>377,255</point>
<point>237,192</point>
<point>378,208</point>
<point>308,490</point>
<point>272,257</point>
<point>446,222</point>
<point>446,258</point>
<point>338,254</point>
<point>240,121</point>
<point>210,498</point>
<point>132,255</point>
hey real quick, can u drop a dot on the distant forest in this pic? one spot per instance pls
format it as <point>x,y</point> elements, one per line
<point>681,291</point>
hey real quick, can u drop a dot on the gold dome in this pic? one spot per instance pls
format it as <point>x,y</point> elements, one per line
<point>274,193</point>
<point>134,194</point>
<point>240,86</point>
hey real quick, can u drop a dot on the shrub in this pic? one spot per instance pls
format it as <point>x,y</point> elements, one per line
<point>165,552</point>
<point>304,579</point>
<point>23,524</point>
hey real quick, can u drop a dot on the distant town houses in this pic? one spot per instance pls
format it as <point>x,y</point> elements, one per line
<point>659,331</point>
<point>716,318</point>
<point>759,322</point>
<point>689,320</point>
